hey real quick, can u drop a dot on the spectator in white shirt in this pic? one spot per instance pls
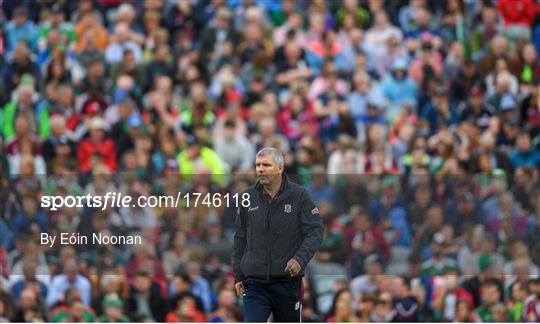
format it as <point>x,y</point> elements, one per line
<point>69,279</point>
<point>122,42</point>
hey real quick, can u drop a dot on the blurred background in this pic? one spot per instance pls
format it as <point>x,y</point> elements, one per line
<point>413,124</point>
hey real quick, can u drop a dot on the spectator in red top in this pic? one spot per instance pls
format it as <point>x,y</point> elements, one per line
<point>189,309</point>
<point>297,111</point>
<point>516,12</point>
<point>96,145</point>
<point>518,16</point>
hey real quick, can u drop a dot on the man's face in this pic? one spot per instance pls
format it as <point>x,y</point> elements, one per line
<point>524,143</point>
<point>25,97</point>
<point>399,74</point>
<point>490,295</point>
<point>143,283</point>
<point>229,133</point>
<point>194,151</point>
<point>29,269</point>
<point>227,299</point>
<point>97,135</point>
<point>436,250</point>
<point>476,101</point>
<point>422,197</point>
<point>96,70</point>
<point>295,21</point>
<point>58,17</point>
<point>222,23</point>
<point>267,169</point>
<point>441,99</point>
<point>374,268</point>
<point>71,272</point>
<point>20,19</point>
<point>489,16</point>
<point>113,312</point>
<point>122,32</point>
<point>77,310</point>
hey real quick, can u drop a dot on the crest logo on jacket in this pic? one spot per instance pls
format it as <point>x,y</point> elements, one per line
<point>288,208</point>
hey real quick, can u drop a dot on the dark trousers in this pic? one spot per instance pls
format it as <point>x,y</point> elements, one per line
<point>283,299</point>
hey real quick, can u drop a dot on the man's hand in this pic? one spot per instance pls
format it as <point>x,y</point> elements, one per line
<point>239,286</point>
<point>293,267</point>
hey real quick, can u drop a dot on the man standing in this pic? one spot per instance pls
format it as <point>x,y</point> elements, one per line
<point>276,236</point>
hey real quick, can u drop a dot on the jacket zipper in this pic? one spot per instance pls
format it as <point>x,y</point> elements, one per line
<point>269,258</point>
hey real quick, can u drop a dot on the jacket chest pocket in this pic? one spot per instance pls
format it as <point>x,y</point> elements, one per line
<point>284,224</point>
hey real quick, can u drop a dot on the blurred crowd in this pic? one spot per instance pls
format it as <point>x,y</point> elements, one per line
<point>414,125</point>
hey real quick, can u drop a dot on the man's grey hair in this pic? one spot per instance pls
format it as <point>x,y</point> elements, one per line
<point>276,154</point>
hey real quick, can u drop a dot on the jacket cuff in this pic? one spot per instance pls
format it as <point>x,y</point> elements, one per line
<point>300,262</point>
<point>238,278</point>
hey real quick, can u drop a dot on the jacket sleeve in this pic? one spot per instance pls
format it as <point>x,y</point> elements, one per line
<point>312,229</point>
<point>239,243</point>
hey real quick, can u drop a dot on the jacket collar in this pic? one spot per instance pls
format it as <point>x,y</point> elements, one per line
<point>282,189</point>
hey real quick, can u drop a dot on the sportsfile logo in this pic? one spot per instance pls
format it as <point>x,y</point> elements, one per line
<point>120,200</point>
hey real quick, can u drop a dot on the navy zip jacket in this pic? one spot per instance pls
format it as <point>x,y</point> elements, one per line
<point>270,232</point>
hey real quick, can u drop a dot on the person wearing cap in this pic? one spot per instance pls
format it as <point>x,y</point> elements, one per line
<point>374,113</point>
<point>132,128</point>
<point>508,105</point>
<point>96,143</point>
<point>113,309</point>
<point>476,108</point>
<point>276,236</point>
<point>24,105</point>
<point>438,111</point>
<point>196,154</point>
<point>397,86</point>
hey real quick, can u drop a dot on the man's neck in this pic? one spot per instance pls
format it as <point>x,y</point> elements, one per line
<point>274,188</point>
